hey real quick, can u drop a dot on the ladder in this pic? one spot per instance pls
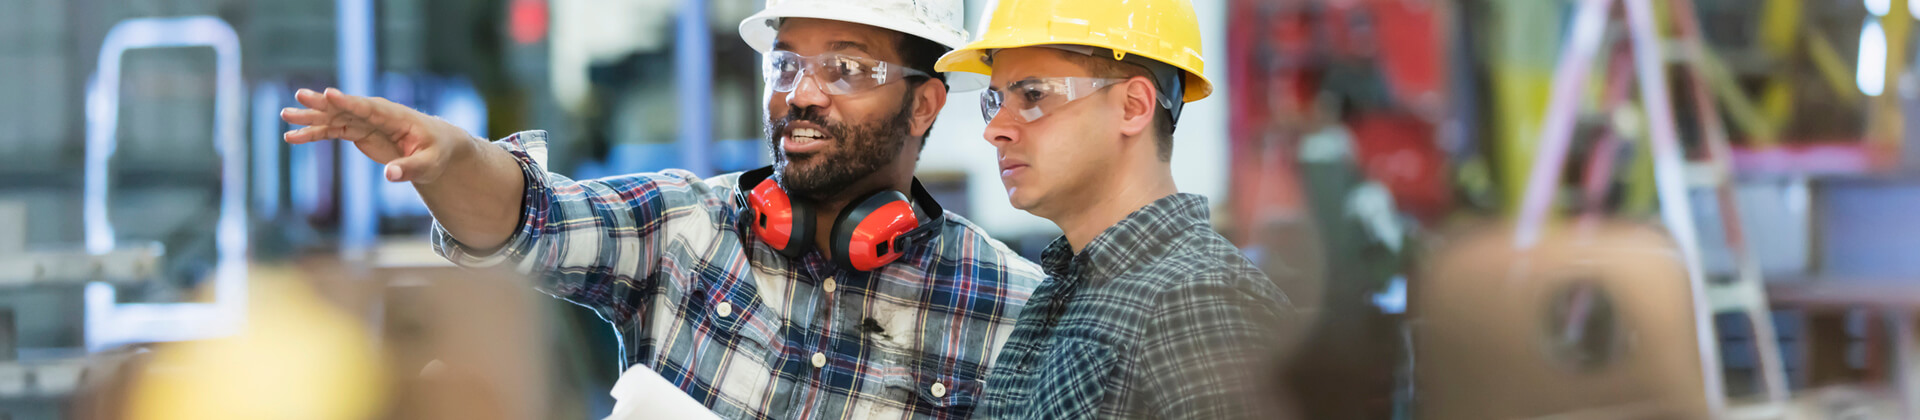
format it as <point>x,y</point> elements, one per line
<point>1674,178</point>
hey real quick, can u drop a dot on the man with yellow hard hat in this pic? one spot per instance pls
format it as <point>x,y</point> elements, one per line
<point>1146,312</point>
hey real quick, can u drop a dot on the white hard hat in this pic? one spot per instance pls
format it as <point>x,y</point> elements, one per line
<point>940,21</point>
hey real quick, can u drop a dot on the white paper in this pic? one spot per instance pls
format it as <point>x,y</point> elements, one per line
<point>643,394</point>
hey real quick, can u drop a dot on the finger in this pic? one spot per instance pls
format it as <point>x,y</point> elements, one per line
<point>355,105</point>
<point>353,131</point>
<point>312,99</point>
<point>382,114</point>
<point>307,135</point>
<point>298,116</point>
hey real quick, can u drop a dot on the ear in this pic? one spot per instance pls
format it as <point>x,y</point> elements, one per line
<point>1137,108</point>
<point>928,99</point>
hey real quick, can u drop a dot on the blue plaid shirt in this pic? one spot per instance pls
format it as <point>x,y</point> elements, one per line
<point>1158,317</point>
<point>746,331</point>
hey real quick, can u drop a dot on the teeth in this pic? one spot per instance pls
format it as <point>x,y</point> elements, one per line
<point>808,132</point>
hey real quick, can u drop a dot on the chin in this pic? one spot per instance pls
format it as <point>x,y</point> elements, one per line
<point>796,161</point>
<point>1020,199</point>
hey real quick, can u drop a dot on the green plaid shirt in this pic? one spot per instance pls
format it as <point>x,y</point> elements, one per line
<point>1159,317</point>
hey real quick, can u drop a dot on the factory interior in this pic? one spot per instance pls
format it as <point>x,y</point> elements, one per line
<point>1476,209</point>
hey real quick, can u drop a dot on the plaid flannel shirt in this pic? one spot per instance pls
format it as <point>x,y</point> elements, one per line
<point>1159,317</point>
<point>746,331</point>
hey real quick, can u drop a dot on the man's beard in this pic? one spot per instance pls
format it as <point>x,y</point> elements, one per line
<point>858,151</point>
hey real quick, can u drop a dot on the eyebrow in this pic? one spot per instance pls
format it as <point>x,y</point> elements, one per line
<point>1023,82</point>
<point>831,46</point>
<point>844,45</point>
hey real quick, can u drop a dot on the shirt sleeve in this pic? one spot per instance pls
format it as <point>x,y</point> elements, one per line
<point>1208,349</point>
<point>596,242</point>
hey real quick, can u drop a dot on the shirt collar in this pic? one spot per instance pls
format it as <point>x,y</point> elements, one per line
<point>1138,239</point>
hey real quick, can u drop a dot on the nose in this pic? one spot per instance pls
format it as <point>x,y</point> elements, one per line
<point>1001,130</point>
<point>807,93</point>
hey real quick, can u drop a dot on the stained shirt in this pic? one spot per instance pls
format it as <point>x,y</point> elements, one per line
<point>666,258</point>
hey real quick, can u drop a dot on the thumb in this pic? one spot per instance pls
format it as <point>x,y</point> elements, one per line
<point>418,167</point>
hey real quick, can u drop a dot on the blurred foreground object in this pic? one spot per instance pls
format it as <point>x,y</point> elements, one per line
<point>298,357</point>
<point>469,344</point>
<point>331,341</point>
<point>643,394</point>
<point>1595,321</point>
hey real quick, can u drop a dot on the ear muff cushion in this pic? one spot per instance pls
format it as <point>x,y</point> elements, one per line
<point>866,234</point>
<point>776,221</point>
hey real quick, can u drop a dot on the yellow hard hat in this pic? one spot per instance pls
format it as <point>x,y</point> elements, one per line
<point>1163,30</point>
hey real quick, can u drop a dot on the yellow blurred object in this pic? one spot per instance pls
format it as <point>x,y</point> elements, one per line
<point>1163,30</point>
<point>299,357</point>
<point>1520,68</point>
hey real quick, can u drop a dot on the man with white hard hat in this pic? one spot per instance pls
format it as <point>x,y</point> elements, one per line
<point>828,285</point>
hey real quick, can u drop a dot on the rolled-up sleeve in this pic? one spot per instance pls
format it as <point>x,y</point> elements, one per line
<point>529,150</point>
<point>594,242</point>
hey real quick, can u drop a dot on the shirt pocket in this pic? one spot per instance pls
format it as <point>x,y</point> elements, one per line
<point>726,341</point>
<point>728,310</point>
<point>909,377</point>
<point>1070,382</point>
<point>931,389</point>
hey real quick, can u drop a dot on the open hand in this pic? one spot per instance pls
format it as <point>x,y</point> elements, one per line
<point>415,146</point>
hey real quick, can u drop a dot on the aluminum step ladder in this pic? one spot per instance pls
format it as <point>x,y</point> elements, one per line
<point>1674,178</point>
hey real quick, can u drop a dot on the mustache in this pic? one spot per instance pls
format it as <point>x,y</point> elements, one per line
<point>798,114</point>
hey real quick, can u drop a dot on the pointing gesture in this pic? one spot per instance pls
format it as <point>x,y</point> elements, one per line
<point>473,188</point>
<point>415,146</point>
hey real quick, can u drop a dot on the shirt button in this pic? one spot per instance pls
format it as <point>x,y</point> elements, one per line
<point>828,285</point>
<point>725,309</point>
<point>938,390</point>
<point>819,360</point>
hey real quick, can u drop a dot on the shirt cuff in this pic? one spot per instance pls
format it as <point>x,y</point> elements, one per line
<point>529,149</point>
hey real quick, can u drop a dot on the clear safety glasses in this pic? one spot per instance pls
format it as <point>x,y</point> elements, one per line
<point>1034,98</point>
<point>837,74</point>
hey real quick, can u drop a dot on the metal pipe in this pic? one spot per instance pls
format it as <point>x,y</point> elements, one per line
<point>693,60</point>
<point>358,224</point>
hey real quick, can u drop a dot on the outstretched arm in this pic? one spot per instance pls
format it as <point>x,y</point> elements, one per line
<point>472,188</point>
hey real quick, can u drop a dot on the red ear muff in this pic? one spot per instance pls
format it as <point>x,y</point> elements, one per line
<point>867,234</point>
<point>777,222</point>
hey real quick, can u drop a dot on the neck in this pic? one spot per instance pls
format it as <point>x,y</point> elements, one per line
<point>828,210</point>
<point>1130,189</point>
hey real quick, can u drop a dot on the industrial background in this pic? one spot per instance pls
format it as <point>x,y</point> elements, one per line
<point>1487,208</point>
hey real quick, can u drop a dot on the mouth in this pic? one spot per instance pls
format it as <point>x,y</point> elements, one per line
<point>804,137</point>
<point>1010,167</point>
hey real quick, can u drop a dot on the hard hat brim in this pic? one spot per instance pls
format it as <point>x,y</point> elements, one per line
<point>762,29</point>
<point>971,59</point>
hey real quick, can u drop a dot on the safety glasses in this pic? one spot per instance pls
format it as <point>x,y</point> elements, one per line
<point>1035,98</point>
<point>837,74</point>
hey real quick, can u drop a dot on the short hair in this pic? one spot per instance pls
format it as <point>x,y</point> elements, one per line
<point>1101,66</point>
